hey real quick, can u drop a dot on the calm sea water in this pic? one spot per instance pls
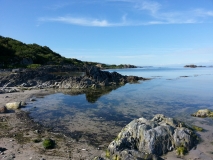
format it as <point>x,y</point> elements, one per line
<point>174,92</point>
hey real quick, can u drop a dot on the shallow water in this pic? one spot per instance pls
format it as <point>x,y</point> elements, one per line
<point>98,115</point>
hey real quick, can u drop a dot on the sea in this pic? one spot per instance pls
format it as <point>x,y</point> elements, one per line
<point>98,115</point>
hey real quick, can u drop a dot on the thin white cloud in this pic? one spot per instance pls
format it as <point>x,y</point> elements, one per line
<point>152,9</point>
<point>57,6</point>
<point>78,21</point>
<point>203,13</point>
<point>151,6</point>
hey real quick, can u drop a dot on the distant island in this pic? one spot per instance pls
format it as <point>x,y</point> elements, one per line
<point>16,54</point>
<point>193,66</point>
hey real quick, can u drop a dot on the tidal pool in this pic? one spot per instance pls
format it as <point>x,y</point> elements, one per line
<point>97,116</point>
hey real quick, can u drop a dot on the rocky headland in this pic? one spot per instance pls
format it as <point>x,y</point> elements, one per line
<point>63,77</point>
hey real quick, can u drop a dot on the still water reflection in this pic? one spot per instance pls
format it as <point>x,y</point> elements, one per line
<point>175,92</point>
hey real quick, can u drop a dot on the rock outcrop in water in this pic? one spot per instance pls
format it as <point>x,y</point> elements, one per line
<point>60,77</point>
<point>203,113</point>
<point>193,66</point>
<point>96,78</point>
<point>149,139</point>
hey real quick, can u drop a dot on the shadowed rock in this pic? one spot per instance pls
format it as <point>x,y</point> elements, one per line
<point>61,77</point>
<point>3,109</point>
<point>95,78</point>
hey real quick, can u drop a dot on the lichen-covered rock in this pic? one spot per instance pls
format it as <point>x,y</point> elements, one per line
<point>149,139</point>
<point>203,113</point>
<point>13,105</point>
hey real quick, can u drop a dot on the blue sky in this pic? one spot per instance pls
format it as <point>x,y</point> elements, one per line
<point>139,32</point>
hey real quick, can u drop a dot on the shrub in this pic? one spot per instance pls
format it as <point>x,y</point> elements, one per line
<point>48,143</point>
<point>33,66</point>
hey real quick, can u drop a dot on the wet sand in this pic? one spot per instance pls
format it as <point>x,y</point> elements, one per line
<point>18,131</point>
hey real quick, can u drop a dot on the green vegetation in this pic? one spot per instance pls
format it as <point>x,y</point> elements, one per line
<point>48,143</point>
<point>15,54</point>
<point>107,154</point>
<point>196,128</point>
<point>33,66</point>
<point>114,66</point>
<point>116,157</point>
<point>181,151</point>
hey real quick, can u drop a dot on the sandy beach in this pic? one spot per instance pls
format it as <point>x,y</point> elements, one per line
<point>18,132</point>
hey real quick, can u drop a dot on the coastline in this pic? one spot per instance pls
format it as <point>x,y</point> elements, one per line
<point>20,125</point>
<point>18,132</point>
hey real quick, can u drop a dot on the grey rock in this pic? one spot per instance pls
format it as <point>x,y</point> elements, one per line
<point>149,139</point>
<point>15,70</point>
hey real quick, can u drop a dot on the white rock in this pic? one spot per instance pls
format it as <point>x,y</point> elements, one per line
<point>13,105</point>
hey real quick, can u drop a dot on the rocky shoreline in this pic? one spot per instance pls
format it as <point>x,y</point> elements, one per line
<point>21,137</point>
<point>63,77</point>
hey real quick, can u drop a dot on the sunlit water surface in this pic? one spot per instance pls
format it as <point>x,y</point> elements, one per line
<point>99,115</point>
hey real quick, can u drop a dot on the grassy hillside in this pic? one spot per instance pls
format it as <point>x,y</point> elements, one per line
<point>14,53</point>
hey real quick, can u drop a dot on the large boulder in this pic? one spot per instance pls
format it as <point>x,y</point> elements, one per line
<point>13,105</point>
<point>149,139</point>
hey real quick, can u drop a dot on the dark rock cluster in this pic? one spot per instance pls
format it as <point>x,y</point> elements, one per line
<point>61,77</point>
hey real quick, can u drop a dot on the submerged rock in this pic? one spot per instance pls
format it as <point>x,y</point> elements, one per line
<point>13,105</point>
<point>149,139</point>
<point>203,113</point>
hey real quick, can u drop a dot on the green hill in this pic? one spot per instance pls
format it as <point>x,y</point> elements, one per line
<point>15,54</point>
